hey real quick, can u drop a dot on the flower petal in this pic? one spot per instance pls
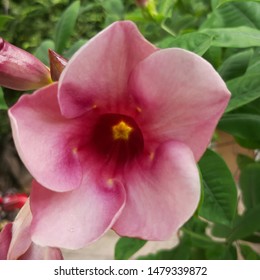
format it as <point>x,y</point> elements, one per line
<point>181,97</point>
<point>21,238</point>
<point>5,239</point>
<point>44,141</point>
<point>74,219</point>
<point>36,252</point>
<point>17,242</point>
<point>97,75</point>
<point>162,193</point>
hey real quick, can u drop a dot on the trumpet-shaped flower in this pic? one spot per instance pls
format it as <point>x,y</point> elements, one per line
<point>16,243</point>
<point>20,70</point>
<point>114,143</point>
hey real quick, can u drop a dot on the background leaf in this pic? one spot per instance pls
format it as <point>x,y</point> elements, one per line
<point>195,42</point>
<point>236,37</point>
<point>246,225</point>
<point>243,126</point>
<point>65,26</point>
<point>249,183</point>
<point>243,90</point>
<point>42,51</point>
<point>126,247</point>
<point>243,161</point>
<point>3,105</point>
<point>114,10</point>
<point>4,19</point>
<point>220,194</point>
<point>234,14</point>
<point>248,253</point>
<point>236,65</point>
<point>221,2</point>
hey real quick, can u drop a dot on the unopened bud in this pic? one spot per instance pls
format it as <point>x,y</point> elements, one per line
<point>57,64</point>
<point>21,70</point>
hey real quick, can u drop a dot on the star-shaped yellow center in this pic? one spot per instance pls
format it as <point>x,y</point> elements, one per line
<point>121,131</point>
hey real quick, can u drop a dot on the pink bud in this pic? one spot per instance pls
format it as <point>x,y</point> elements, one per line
<point>13,201</point>
<point>20,70</point>
<point>141,3</point>
<point>57,64</point>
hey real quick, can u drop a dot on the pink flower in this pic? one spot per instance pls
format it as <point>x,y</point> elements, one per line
<point>16,243</point>
<point>20,70</point>
<point>115,142</point>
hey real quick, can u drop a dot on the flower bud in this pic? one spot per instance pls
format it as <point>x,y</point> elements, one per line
<point>141,3</point>
<point>20,70</point>
<point>57,64</point>
<point>11,202</point>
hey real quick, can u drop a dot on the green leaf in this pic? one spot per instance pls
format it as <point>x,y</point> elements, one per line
<point>42,51</point>
<point>243,161</point>
<point>246,225</point>
<point>220,194</point>
<point>195,42</point>
<point>199,240</point>
<point>234,14</point>
<point>249,183</point>
<point>178,22</point>
<point>114,10</point>
<point>126,247</point>
<point>65,26</point>
<point>248,253</point>
<point>254,238</point>
<point>250,108</point>
<point>243,90</point>
<point>3,105</point>
<point>195,230</point>
<point>4,19</point>
<point>68,54</point>
<point>243,126</point>
<point>254,66</point>
<point>214,56</point>
<point>235,65</point>
<point>235,37</point>
<point>180,252</point>
<point>221,252</point>
<point>221,2</point>
<point>221,231</point>
<point>247,143</point>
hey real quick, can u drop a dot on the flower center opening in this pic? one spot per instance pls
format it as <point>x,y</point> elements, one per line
<point>117,136</point>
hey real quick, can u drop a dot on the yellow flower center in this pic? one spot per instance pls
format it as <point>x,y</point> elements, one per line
<point>121,131</point>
